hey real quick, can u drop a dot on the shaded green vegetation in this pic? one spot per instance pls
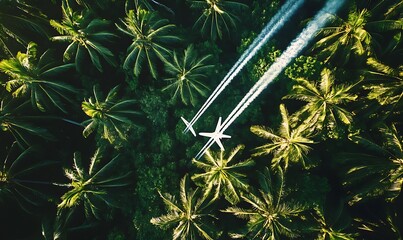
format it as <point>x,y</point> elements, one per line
<point>91,96</point>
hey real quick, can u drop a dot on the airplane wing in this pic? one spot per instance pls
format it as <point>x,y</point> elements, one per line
<point>217,128</point>
<point>225,136</point>
<point>206,134</point>
<point>217,140</point>
<point>188,126</point>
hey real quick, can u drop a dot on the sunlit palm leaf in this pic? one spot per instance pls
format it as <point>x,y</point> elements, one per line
<point>221,176</point>
<point>33,77</point>
<point>186,73</point>
<point>269,216</point>
<point>384,82</point>
<point>323,109</point>
<point>151,37</point>
<point>189,214</point>
<point>288,145</point>
<point>110,117</point>
<point>378,170</point>
<point>82,32</point>
<point>218,16</point>
<point>17,18</point>
<point>352,36</point>
<point>91,187</point>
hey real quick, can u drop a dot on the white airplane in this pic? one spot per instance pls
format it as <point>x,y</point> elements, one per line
<point>188,126</point>
<point>216,135</point>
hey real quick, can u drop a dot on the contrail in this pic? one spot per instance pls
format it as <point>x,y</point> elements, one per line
<point>270,29</point>
<point>292,51</point>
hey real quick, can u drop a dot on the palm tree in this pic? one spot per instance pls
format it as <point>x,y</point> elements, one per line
<point>386,226</point>
<point>332,222</point>
<point>110,117</point>
<point>13,183</point>
<point>323,102</point>
<point>222,175</point>
<point>288,145</point>
<point>269,215</point>
<point>17,18</point>
<point>186,73</point>
<point>19,125</point>
<point>32,77</point>
<point>386,83</point>
<point>91,186</point>
<point>217,16</point>
<point>151,36</point>
<point>189,215</point>
<point>377,170</point>
<point>147,4</point>
<point>85,37</point>
<point>394,9</point>
<point>352,36</point>
<point>59,227</point>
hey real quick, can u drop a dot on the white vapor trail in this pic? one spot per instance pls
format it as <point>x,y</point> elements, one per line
<point>292,51</point>
<point>269,30</point>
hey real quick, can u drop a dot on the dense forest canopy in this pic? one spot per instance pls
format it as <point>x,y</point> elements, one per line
<point>92,143</point>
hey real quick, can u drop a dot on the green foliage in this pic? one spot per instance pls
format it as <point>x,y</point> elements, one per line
<point>332,221</point>
<point>264,58</point>
<point>59,227</point>
<point>384,82</point>
<point>310,189</point>
<point>186,73</point>
<point>33,77</point>
<point>263,11</point>
<point>153,172</point>
<point>378,169</point>
<point>290,144</point>
<point>155,107</point>
<point>269,215</point>
<point>218,16</point>
<point>363,94</point>
<point>91,186</point>
<point>352,36</point>
<point>221,176</point>
<point>17,18</point>
<point>86,37</point>
<point>306,67</point>
<point>15,181</point>
<point>189,215</point>
<point>151,36</point>
<point>12,120</point>
<point>110,117</point>
<point>323,108</point>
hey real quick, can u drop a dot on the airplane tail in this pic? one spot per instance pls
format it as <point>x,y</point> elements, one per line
<point>189,126</point>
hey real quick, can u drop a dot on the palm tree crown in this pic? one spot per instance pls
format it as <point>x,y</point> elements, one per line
<point>222,175</point>
<point>378,170</point>
<point>186,73</point>
<point>323,102</point>
<point>16,19</point>
<point>288,145</point>
<point>13,182</point>
<point>29,77</point>
<point>85,37</point>
<point>188,214</point>
<point>111,117</point>
<point>389,87</point>
<point>269,215</point>
<point>91,186</point>
<point>217,16</point>
<point>352,36</point>
<point>151,36</point>
<point>12,121</point>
